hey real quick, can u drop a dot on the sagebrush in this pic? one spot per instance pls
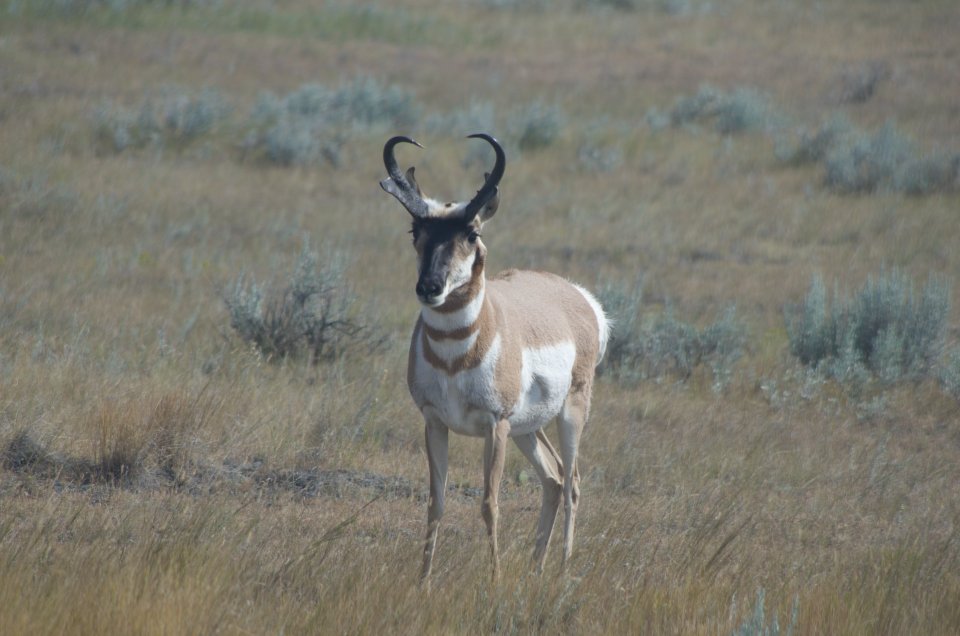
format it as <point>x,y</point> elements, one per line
<point>313,315</point>
<point>885,329</point>
<point>658,345</point>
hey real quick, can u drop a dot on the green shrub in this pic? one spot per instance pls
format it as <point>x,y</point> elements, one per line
<point>926,175</point>
<point>658,346</point>
<point>859,163</point>
<point>477,117</point>
<point>536,126</point>
<point>312,316</point>
<point>516,5</point>
<point>731,113</point>
<point>867,163</point>
<point>365,102</point>
<point>80,7</point>
<point>812,147</point>
<point>670,7</point>
<point>885,329</point>
<point>860,84</point>
<point>172,116</point>
<point>742,110</point>
<point>689,109</point>
<point>657,120</point>
<point>950,373</point>
<point>620,5</point>
<point>298,141</point>
<point>623,304</point>
<point>310,124</point>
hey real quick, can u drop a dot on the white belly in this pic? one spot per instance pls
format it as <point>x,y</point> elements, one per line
<point>545,379</point>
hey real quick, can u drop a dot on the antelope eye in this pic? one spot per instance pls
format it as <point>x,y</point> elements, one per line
<point>472,237</point>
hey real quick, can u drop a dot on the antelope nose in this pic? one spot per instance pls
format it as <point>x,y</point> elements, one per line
<point>429,288</point>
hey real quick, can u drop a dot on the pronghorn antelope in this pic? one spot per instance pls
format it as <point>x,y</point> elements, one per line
<point>495,358</point>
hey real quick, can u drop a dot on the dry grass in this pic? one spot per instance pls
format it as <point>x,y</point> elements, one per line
<point>159,476</point>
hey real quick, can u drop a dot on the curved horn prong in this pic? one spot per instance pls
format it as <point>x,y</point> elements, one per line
<point>489,188</point>
<point>396,184</point>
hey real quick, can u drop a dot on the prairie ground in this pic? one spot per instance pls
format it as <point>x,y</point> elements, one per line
<point>160,474</point>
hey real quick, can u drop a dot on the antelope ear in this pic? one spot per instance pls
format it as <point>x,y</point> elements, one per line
<point>412,181</point>
<point>491,207</point>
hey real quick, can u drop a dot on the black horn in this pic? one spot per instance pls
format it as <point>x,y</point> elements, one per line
<point>397,184</point>
<point>489,188</point>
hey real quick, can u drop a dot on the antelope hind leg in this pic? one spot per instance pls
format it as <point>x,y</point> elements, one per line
<point>546,462</point>
<point>570,425</point>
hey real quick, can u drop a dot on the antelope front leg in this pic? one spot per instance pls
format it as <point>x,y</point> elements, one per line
<point>494,452</point>
<point>437,444</point>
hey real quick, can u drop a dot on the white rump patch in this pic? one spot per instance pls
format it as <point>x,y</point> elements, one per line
<point>602,320</point>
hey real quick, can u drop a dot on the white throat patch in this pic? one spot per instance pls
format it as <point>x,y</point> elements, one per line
<point>455,319</point>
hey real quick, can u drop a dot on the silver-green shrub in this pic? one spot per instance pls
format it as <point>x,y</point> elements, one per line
<point>691,108</point>
<point>669,7</point>
<point>310,124</point>
<point>856,162</point>
<point>515,5</point>
<point>622,304</point>
<point>741,110</point>
<point>475,117</point>
<point>866,163</point>
<point>659,345</point>
<point>365,102</point>
<point>812,147</point>
<point>950,373</point>
<point>80,7</point>
<point>536,126</point>
<point>171,116</point>
<point>312,316</point>
<point>926,175</point>
<point>885,329</point>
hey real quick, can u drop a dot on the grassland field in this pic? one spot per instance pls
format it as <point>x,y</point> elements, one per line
<point>161,475</point>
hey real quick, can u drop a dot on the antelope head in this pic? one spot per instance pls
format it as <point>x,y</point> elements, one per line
<point>446,236</point>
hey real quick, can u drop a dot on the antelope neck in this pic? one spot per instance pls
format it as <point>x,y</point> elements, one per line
<point>457,340</point>
<point>445,324</point>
